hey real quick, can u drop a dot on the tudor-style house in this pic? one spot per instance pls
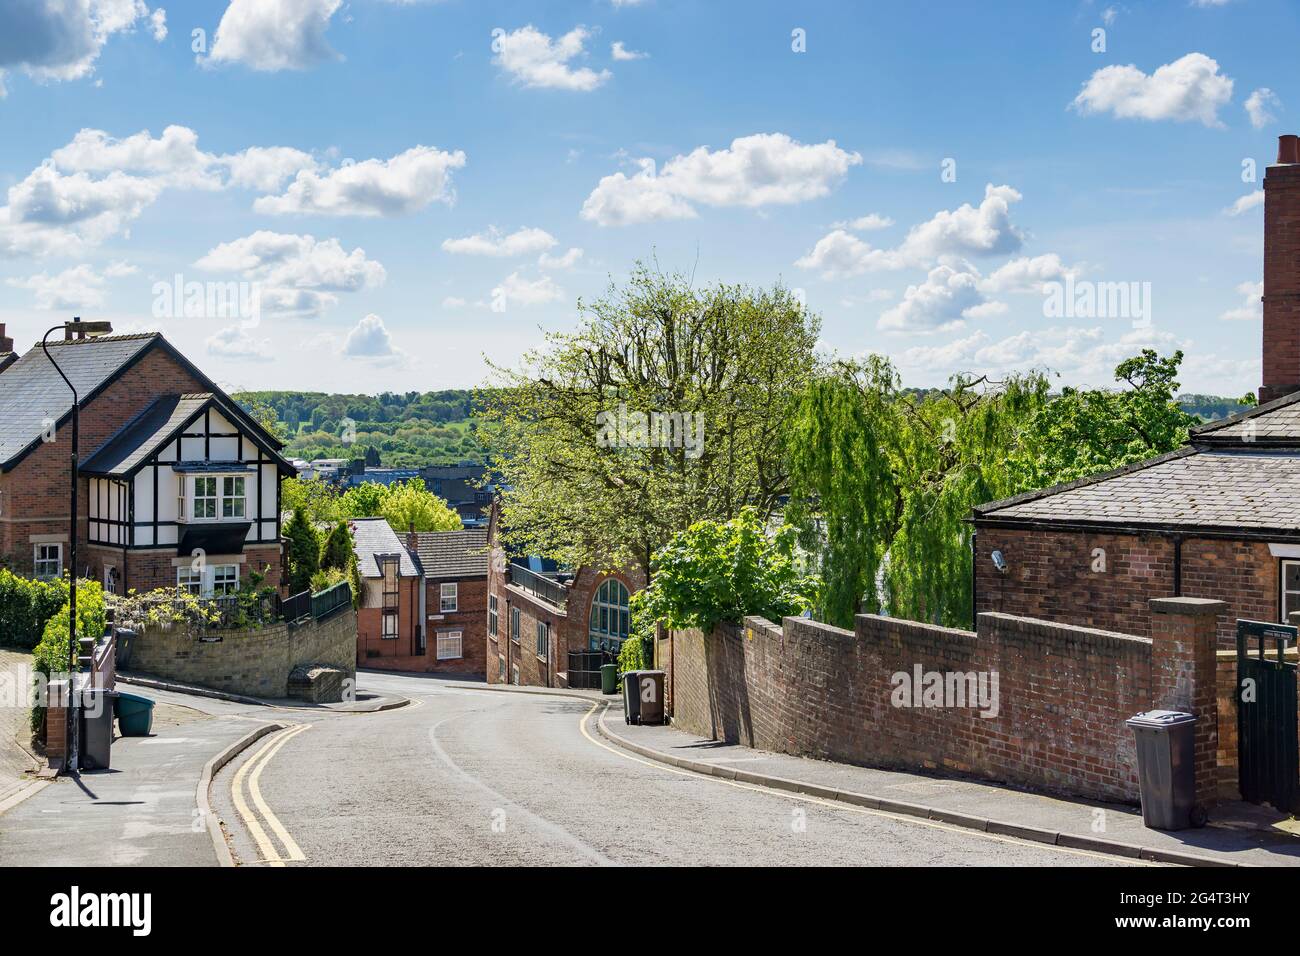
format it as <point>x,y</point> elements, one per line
<point>178,485</point>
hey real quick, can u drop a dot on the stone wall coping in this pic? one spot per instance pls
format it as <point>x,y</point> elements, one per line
<point>1187,605</point>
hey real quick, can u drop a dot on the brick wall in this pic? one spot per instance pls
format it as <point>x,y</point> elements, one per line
<point>253,662</point>
<point>1056,576</point>
<point>470,620</point>
<point>810,689</point>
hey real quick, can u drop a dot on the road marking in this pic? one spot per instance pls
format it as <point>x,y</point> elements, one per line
<point>265,847</point>
<point>836,805</point>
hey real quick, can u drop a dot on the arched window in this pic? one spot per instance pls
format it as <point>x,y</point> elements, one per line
<point>609,618</point>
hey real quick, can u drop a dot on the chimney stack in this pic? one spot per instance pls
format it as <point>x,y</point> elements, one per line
<point>6,343</point>
<point>1282,272</point>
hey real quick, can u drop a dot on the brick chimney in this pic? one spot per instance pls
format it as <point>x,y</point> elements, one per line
<point>1282,272</point>
<point>6,343</point>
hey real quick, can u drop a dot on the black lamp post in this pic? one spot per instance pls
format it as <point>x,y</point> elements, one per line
<point>82,330</point>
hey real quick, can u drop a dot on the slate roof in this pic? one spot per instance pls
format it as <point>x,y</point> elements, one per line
<point>1236,489</point>
<point>453,554</point>
<point>32,391</point>
<point>145,434</point>
<point>1275,423</point>
<point>372,536</point>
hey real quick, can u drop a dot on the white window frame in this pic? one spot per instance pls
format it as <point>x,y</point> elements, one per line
<point>445,649</point>
<point>446,606</point>
<point>190,579</point>
<point>384,618</point>
<point>187,501</point>
<point>49,574</point>
<point>227,582</point>
<point>203,582</point>
<point>228,501</point>
<point>494,618</point>
<point>110,585</point>
<point>1283,605</point>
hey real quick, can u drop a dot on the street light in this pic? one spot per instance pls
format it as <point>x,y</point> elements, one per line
<point>81,330</point>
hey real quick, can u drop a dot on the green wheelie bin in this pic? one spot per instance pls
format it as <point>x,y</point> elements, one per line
<point>134,714</point>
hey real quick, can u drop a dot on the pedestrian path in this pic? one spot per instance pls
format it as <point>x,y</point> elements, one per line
<point>1240,834</point>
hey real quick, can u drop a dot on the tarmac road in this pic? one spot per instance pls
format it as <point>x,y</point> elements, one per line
<point>472,777</point>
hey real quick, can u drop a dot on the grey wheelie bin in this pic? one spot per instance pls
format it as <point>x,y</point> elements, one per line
<point>96,717</point>
<point>643,697</point>
<point>1167,769</point>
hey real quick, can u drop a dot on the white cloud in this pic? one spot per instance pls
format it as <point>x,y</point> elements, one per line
<point>1243,203</point>
<point>238,342</point>
<point>271,35</point>
<point>1252,309</point>
<point>369,339</point>
<point>298,274</point>
<point>566,261</point>
<point>620,52</point>
<point>758,170</point>
<point>1028,274</point>
<point>454,302</point>
<point>941,302</point>
<point>1109,15</point>
<point>52,214</point>
<point>1259,106</point>
<point>522,242</point>
<point>376,187</point>
<point>1188,89</point>
<point>61,39</point>
<point>536,60</point>
<point>967,230</point>
<point>158,24</point>
<point>78,287</point>
<point>867,223</point>
<point>516,290</point>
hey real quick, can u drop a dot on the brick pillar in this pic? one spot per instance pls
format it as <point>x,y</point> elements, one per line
<point>1183,676</point>
<point>56,724</point>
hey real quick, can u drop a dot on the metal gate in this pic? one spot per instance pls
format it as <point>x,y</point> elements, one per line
<point>1267,759</point>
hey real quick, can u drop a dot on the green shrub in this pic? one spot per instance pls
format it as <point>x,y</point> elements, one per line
<point>717,571</point>
<point>52,654</point>
<point>302,551</point>
<point>637,654</point>
<point>326,578</point>
<point>25,607</point>
<point>337,550</point>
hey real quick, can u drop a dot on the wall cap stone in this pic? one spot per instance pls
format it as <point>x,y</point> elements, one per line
<point>1187,605</point>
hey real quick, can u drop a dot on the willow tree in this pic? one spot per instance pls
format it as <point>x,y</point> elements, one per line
<point>884,480</point>
<point>667,404</point>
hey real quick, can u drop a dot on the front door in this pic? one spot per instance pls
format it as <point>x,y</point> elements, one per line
<point>1268,762</point>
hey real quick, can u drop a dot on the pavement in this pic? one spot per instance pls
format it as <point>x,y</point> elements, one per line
<point>470,776</point>
<point>1241,834</point>
<point>363,703</point>
<point>17,761</point>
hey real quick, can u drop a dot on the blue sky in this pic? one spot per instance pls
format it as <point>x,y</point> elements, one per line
<point>408,190</point>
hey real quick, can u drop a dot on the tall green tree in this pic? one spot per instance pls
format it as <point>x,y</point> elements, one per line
<point>1084,432</point>
<point>592,475</point>
<point>408,506</point>
<point>302,552</point>
<point>365,500</point>
<point>317,498</point>
<point>337,550</point>
<point>885,478</point>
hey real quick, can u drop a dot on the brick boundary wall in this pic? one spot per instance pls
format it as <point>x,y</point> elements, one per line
<point>255,663</point>
<point>814,690</point>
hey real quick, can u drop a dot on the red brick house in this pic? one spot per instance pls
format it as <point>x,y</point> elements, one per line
<point>424,599</point>
<point>538,614</point>
<point>1218,518</point>
<point>389,635</point>
<point>171,467</point>
<point>455,577</point>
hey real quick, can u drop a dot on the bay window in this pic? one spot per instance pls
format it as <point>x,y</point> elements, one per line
<point>212,497</point>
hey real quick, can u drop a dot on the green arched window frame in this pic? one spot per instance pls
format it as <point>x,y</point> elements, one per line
<point>608,625</point>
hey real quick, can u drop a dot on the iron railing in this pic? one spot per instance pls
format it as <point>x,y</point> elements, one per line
<point>538,585</point>
<point>330,601</point>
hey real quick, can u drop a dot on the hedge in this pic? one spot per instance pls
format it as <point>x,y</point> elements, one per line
<point>26,606</point>
<point>53,655</point>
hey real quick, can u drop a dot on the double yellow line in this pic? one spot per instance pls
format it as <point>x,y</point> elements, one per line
<point>252,772</point>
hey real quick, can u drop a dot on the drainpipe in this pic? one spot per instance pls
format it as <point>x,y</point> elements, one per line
<point>974,579</point>
<point>1178,565</point>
